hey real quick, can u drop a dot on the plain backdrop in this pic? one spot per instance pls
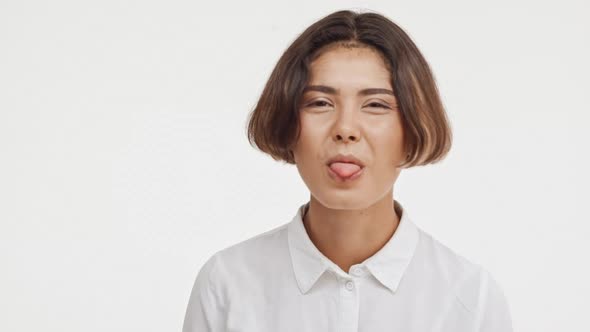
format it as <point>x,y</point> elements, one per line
<point>125,164</point>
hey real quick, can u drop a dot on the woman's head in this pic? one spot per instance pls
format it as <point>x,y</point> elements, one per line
<point>311,108</point>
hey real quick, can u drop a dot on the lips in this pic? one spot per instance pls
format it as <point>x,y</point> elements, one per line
<point>345,158</point>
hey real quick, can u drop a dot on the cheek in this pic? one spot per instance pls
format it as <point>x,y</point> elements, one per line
<point>308,143</point>
<point>389,146</point>
<point>311,132</point>
<point>305,140</point>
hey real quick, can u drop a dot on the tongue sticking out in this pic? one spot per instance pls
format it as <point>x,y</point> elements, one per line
<point>344,169</point>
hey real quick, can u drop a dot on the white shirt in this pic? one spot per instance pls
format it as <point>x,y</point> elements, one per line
<point>278,281</point>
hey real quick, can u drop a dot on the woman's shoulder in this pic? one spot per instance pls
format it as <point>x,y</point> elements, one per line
<point>468,279</point>
<point>255,245</point>
<point>441,256</point>
<point>249,255</point>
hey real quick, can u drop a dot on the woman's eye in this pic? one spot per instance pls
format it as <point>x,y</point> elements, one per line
<point>378,105</point>
<point>319,103</point>
<point>323,103</point>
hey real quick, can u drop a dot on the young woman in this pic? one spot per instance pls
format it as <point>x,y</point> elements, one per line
<point>351,103</point>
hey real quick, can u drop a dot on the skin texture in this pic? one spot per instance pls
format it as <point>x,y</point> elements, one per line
<point>350,221</point>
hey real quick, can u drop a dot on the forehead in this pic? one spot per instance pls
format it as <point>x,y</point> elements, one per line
<point>350,64</point>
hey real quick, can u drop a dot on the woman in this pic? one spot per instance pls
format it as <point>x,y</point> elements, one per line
<point>351,103</point>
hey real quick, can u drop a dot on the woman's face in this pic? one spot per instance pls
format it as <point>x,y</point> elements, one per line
<point>368,126</point>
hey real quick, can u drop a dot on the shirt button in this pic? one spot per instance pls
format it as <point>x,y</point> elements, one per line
<point>349,285</point>
<point>357,271</point>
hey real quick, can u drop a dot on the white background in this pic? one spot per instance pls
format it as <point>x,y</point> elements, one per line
<point>125,165</point>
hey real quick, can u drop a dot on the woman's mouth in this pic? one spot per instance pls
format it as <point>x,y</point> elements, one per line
<point>342,172</point>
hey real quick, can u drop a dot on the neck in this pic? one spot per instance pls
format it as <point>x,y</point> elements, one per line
<point>348,237</point>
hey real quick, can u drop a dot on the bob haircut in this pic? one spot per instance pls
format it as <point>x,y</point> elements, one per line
<point>273,125</point>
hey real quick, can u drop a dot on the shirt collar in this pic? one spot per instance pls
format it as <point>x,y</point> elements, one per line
<point>387,265</point>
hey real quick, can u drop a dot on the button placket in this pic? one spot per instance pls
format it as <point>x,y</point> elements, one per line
<point>349,305</point>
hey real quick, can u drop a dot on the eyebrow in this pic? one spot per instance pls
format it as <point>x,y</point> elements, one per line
<point>331,90</point>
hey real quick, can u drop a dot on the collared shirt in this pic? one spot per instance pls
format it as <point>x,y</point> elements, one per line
<point>278,281</point>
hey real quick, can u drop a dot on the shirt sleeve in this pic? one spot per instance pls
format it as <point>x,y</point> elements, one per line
<point>204,312</point>
<point>494,313</point>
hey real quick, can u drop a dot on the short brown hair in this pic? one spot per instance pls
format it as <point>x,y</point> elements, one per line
<point>273,124</point>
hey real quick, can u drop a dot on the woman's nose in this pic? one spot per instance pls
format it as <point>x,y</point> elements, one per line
<point>346,126</point>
